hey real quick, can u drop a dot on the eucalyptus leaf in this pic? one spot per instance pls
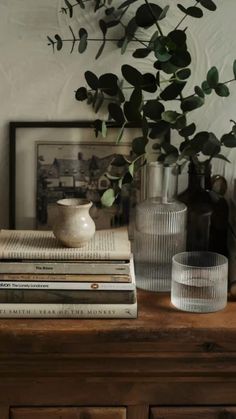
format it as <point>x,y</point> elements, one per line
<point>59,42</point>
<point>91,79</point>
<point>141,53</point>
<point>191,103</point>
<point>212,146</point>
<point>131,113</point>
<point>83,40</point>
<point>183,74</point>
<point>170,116</point>
<point>222,90</point>
<point>206,88</point>
<point>116,113</point>
<point>131,75</point>
<point>228,140</point>
<point>188,130</point>
<point>69,7</point>
<point>147,15</point>
<point>161,128</point>
<point>221,157</point>
<point>108,198</point>
<point>153,109</point>
<point>108,83</point>
<point>199,91</point>
<point>81,94</point>
<point>139,145</point>
<point>208,4</point>
<point>213,77</point>
<point>172,91</point>
<point>104,129</point>
<point>136,98</point>
<point>149,83</point>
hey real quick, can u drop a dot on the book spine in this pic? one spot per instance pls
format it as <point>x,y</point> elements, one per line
<point>65,296</point>
<point>65,268</point>
<point>108,311</point>
<point>83,286</point>
<point>119,278</point>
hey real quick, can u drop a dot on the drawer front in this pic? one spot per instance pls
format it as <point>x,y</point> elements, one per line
<point>68,413</point>
<point>193,413</point>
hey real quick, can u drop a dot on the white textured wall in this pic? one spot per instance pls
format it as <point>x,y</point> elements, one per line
<point>37,85</point>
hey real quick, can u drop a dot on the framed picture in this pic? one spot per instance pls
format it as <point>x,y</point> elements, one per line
<point>55,160</point>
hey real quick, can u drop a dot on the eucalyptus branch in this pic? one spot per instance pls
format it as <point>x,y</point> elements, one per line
<point>183,18</point>
<point>154,17</point>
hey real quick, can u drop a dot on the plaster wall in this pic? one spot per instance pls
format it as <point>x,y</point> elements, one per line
<point>36,84</point>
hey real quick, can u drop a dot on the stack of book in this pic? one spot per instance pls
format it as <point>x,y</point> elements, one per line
<point>41,278</point>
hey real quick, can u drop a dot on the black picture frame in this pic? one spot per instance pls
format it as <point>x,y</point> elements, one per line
<point>23,139</point>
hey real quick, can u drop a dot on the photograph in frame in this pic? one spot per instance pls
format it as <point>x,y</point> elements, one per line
<point>52,161</point>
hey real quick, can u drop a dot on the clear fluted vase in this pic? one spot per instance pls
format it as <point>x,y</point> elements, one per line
<point>160,229</point>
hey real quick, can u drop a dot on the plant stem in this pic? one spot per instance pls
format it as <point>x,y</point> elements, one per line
<point>154,17</point>
<point>184,17</point>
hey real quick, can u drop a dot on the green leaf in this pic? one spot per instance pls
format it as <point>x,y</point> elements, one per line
<point>83,35</point>
<point>170,116</point>
<point>194,12</point>
<point>139,145</point>
<point>208,4</point>
<point>131,75</point>
<point>234,69</point>
<point>149,83</point>
<point>172,91</point>
<point>213,77</point>
<point>91,79</point>
<point>141,53</point>
<point>108,83</point>
<point>131,169</point>
<point>183,74</point>
<point>181,59</point>
<point>69,7</point>
<point>99,102</point>
<point>59,42</point>
<point>147,15</point>
<point>164,12</point>
<point>160,129</point>
<point>222,90</point>
<point>153,109</point>
<point>136,98</point>
<point>212,146</point>
<point>191,103</point>
<point>206,88</point>
<point>116,113</point>
<point>191,11</point>
<point>188,131</point>
<point>132,114</point>
<point>108,198</point>
<point>199,91</point>
<point>229,140</point>
<point>221,157</point>
<point>104,129</point>
<point>81,94</point>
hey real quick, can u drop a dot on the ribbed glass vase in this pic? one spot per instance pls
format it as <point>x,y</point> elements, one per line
<point>160,229</point>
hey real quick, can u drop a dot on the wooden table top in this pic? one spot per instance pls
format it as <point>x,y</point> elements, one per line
<point>158,324</point>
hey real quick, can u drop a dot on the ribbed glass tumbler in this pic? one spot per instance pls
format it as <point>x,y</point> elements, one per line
<point>199,281</point>
<point>160,230</point>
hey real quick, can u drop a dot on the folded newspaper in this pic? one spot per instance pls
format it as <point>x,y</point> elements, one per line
<point>111,244</point>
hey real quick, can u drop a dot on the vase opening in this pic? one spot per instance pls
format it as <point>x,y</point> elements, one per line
<point>74,202</point>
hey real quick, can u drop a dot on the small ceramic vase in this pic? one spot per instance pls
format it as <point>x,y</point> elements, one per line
<point>74,226</point>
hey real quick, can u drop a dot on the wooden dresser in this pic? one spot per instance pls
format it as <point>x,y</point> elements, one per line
<point>164,365</point>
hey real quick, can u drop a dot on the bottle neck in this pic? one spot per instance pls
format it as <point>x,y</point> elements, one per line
<point>199,177</point>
